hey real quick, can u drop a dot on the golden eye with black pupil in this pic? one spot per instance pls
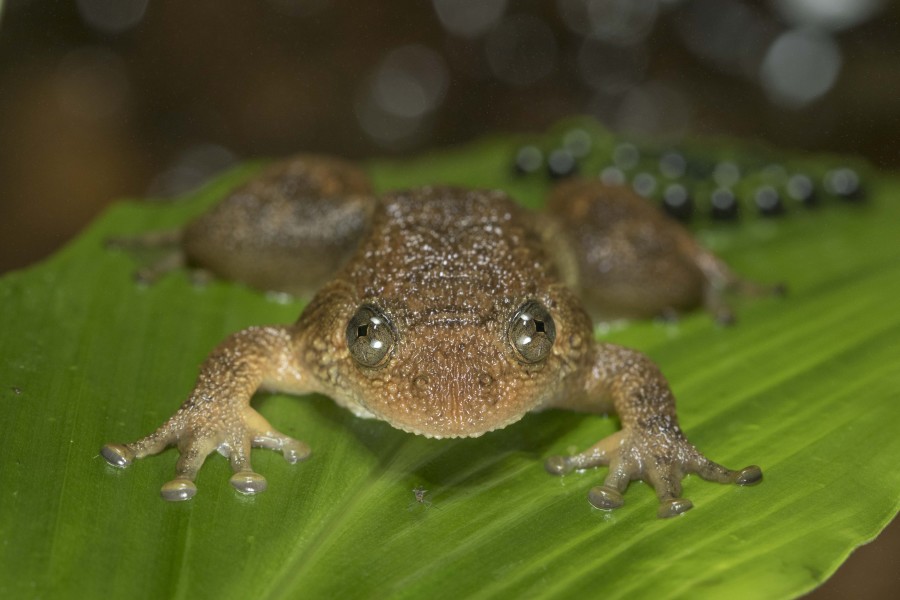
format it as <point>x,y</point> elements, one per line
<point>531,332</point>
<point>370,337</point>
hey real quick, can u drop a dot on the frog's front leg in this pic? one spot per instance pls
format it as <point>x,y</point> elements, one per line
<point>650,446</point>
<point>218,416</point>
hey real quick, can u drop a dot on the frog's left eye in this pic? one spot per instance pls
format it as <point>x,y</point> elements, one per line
<point>370,337</point>
<point>531,332</point>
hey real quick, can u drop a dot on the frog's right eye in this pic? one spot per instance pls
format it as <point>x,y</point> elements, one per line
<point>370,336</point>
<point>532,332</point>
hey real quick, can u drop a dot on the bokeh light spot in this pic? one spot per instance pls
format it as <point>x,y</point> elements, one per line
<point>834,15</point>
<point>800,66</point>
<point>404,89</point>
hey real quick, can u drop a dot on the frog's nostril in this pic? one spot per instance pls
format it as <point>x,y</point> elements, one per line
<point>421,381</point>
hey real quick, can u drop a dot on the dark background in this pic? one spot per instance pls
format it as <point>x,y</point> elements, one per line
<point>103,99</point>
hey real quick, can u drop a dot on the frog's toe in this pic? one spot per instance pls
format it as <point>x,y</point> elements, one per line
<point>725,317</point>
<point>673,507</point>
<point>749,475</point>
<point>712,471</point>
<point>666,481</point>
<point>558,465</point>
<point>200,278</point>
<point>295,451</point>
<point>117,455</point>
<point>149,275</point>
<point>178,490</point>
<point>193,451</point>
<point>599,454</point>
<point>605,497</point>
<point>248,482</point>
<point>260,434</point>
<point>266,436</point>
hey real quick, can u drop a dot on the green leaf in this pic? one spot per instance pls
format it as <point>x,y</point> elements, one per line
<point>805,386</point>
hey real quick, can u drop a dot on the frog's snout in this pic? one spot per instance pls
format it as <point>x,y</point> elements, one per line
<point>463,386</point>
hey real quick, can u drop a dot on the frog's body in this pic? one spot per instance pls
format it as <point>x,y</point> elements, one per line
<point>447,313</point>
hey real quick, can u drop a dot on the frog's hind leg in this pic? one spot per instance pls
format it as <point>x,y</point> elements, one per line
<point>628,260</point>
<point>165,245</point>
<point>287,230</point>
<point>721,281</point>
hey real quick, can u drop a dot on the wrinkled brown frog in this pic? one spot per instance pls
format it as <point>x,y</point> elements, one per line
<point>446,312</point>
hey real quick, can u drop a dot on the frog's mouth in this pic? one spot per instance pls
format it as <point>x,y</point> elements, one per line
<point>450,431</point>
<point>462,402</point>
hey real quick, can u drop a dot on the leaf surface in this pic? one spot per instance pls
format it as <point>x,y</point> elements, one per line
<point>805,386</point>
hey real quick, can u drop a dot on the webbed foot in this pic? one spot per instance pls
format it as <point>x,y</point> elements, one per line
<point>722,282</point>
<point>661,459</point>
<point>164,245</point>
<point>198,431</point>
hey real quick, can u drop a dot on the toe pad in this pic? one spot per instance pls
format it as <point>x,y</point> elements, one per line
<point>178,490</point>
<point>673,507</point>
<point>605,497</point>
<point>117,455</point>
<point>248,482</point>
<point>557,465</point>
<point>749,475</point>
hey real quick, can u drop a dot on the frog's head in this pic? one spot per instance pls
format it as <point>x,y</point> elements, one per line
<point>450,320</point>
<point>454,372</point>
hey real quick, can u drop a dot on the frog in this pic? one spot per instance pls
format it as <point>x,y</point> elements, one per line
<point>446,312</point>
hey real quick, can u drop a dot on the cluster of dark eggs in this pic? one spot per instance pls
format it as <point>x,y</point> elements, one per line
<point>689,185</point>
